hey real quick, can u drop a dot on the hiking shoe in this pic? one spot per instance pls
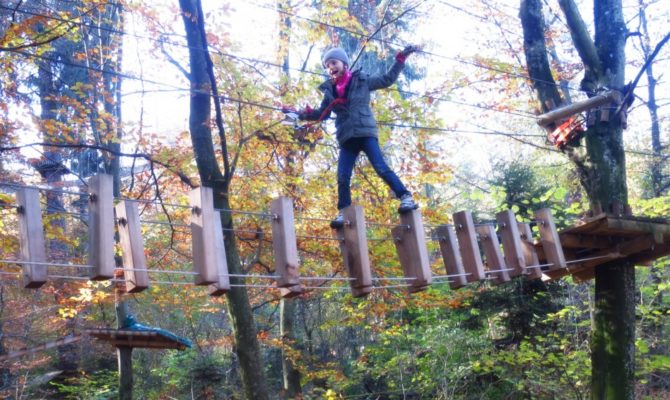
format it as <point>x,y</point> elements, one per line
<point>338,221</point>
<point>407,204</point>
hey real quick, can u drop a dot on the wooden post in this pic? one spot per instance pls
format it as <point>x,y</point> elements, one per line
<point>354,246</point>
<point>494,259</point>
<point>467,241</point>
<point>576,108</point>
<point>511,240</point>
<point>410,241</point>
<point>130,237</point>
<point>32,237</point>
<point>222,284</point>
<point>284,242</point>
<point>101,227</point>
<point>209,257</point>
<point>529,253</point>
<point>451,256</point>
<point>551,243</point>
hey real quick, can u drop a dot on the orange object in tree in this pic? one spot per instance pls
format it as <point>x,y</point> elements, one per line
<point>566,131</point>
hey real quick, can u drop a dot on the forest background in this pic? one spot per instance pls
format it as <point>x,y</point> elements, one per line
<point>109,86</point>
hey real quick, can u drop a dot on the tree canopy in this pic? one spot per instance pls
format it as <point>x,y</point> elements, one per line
<point>171,96</point>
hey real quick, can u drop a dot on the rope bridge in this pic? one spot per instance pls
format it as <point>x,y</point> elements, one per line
<point>470,252</point>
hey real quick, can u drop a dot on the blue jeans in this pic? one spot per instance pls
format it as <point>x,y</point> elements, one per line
<point>345,165</point>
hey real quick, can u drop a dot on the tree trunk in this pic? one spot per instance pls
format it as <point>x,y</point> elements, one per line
<point>247,347</point>
<point>659,184</point>
<point>124,355</point>
<point>613,340</point>
<point>5,371</point>
<point>602,173</point>
<point>290,375</point>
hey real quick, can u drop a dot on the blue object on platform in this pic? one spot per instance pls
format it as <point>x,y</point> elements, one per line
<point>131,323</point>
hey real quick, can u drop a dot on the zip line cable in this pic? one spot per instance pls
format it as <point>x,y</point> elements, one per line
<point>307,278</point>
<point>300,70</point>
<point>360,34</point>
<point>274,64</point>
<point>271,107</point>
<point>363,35</point>
<point>127,76</point>
<point>177,88</point>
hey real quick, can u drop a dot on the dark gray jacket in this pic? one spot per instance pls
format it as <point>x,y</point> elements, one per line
<point>354,119</point>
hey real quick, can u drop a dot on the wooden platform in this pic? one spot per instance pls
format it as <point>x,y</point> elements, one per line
<point>130,338</point>
<point>605,238</point>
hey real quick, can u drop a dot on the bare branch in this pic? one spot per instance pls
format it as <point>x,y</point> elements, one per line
<point>185,179</point>
<point>172,61</point>
<point>584,44</point>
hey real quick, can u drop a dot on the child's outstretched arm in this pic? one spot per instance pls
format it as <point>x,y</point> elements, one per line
<point>315,114</point>
<point>380,81</point>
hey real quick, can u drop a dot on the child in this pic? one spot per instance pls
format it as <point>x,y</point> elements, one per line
<point>347,93</point>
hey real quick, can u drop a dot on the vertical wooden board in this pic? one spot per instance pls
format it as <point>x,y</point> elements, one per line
<point>414,220</point>
<point>410,242</point>
<point>130,238</point>
<point>511,240</point>
<point>354,246</point>
<point>529,252</point>
<point>494,258</point>
<point>31,237</point>
<point>467,241</point>
<point>451,256</point>
<point>284,242</point>
<point>203,236</point>
<point>405,255</point>
<point>222,284</point>
<point>101,227</point>
<point>348,259</point>
<point>551,243</point>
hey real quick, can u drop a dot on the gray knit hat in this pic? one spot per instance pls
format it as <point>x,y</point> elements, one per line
<point>336,53</point>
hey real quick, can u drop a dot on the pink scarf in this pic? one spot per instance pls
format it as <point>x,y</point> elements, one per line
<point>342,83</point>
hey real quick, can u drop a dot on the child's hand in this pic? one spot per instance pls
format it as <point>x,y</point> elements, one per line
<point>409,50</point>
<point>288,109</point>
<point>402,55</point>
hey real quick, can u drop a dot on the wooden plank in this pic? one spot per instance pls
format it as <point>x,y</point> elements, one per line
<point>495,262</point>
<point>661,232</point>
<point>222,284</point>
<point>101,227</point>
<point>551,243</point>
<point>587,226</point>
<point>529,253</point>
<point>139,339</point>
<point>467,241</point>
<point>354,247</point>
<point>284,242</point>
<point>132,246</point>
<point>451,256</point>
<point>585,241</point>
<point>207,257</point>
<point>31,237</point>
<point>410,241</point>
<point>623,250</point>
<point>511,240</point>
<point>145,344</point>
<point>585,270</point>
<point>651,255</point>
